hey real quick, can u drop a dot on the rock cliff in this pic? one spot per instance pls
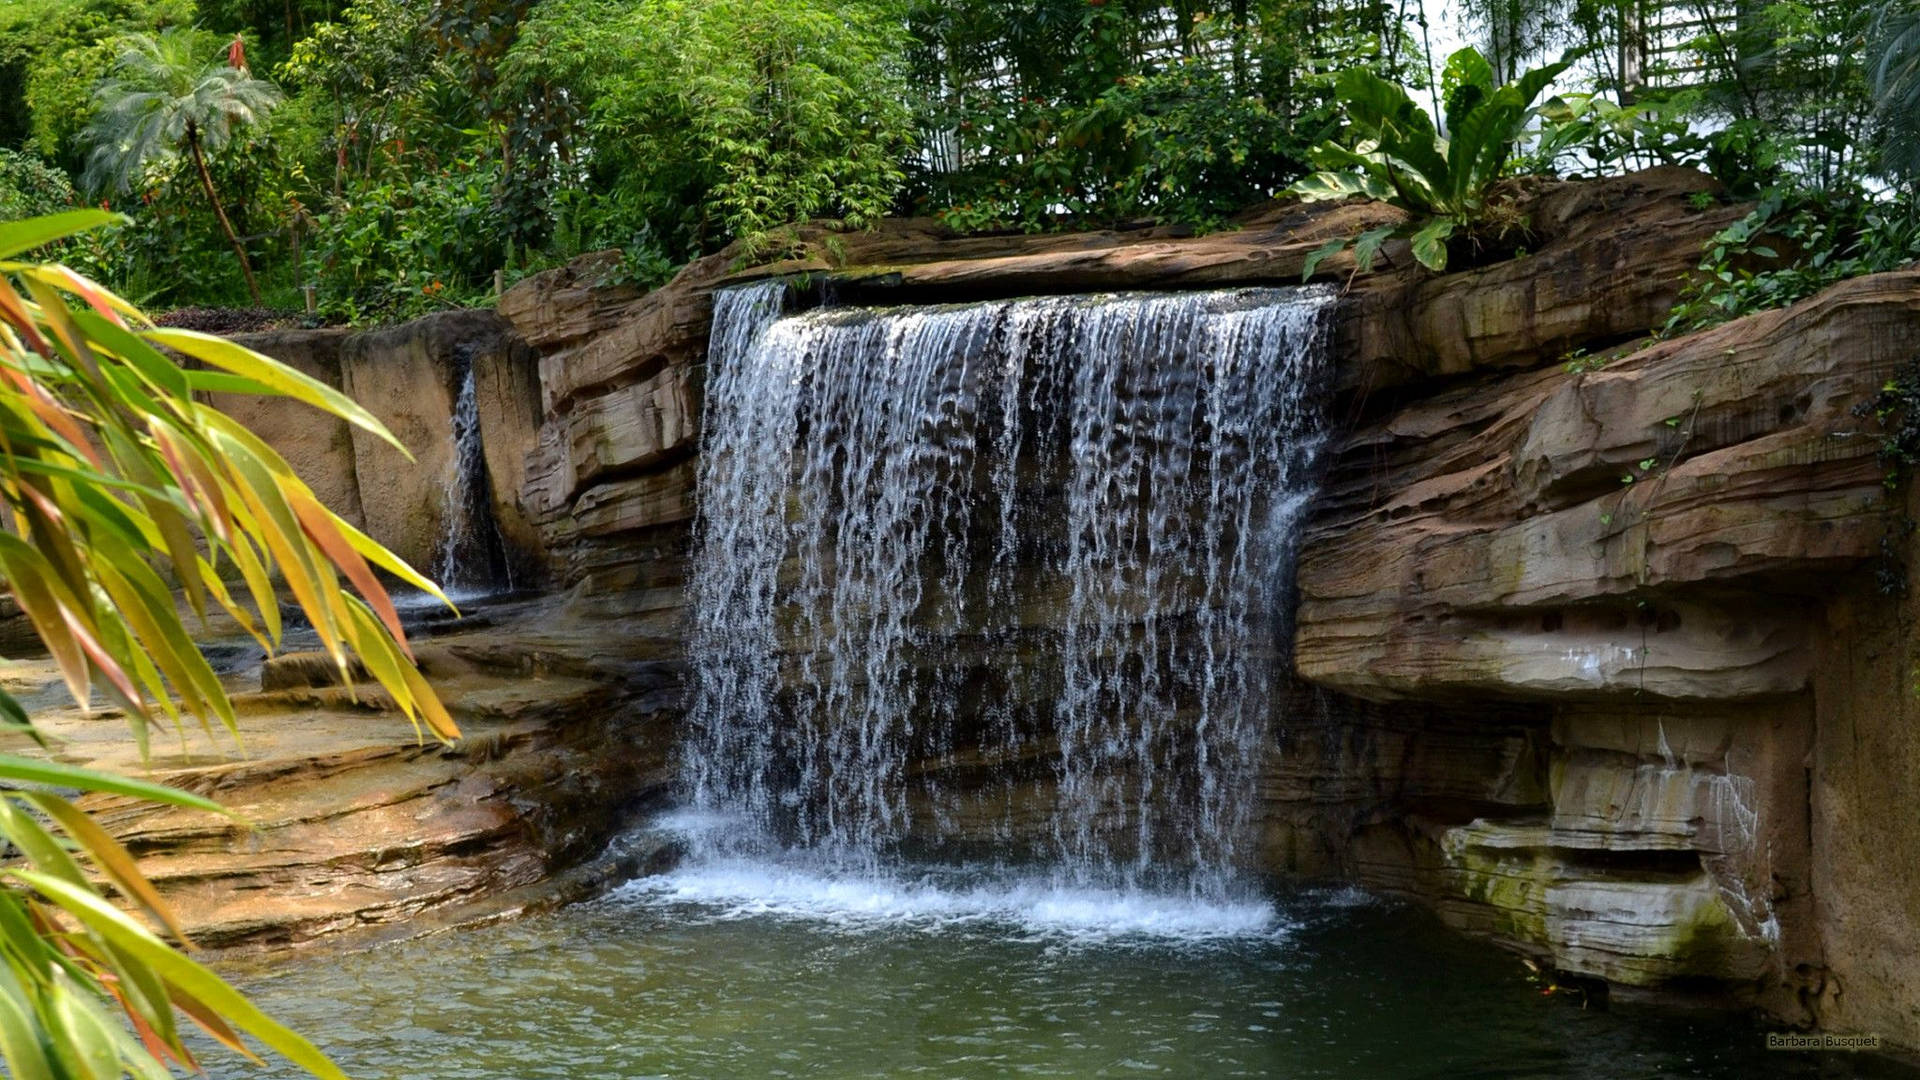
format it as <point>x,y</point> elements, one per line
<point>1597,662</point>
<point>1566,642</point>
<point>409,376</point>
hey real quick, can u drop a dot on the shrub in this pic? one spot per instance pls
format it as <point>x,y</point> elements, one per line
<point>1444,182</point>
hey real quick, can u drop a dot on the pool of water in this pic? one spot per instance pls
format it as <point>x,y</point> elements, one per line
<point>738,970</point>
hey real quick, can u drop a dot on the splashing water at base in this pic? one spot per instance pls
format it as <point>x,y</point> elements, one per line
<point>815,887</point>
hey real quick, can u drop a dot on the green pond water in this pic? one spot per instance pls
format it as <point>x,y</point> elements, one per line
<point>742,972</point>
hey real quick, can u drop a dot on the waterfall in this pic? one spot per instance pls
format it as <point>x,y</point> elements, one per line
<point>472,556</point>
<point>951,560</point>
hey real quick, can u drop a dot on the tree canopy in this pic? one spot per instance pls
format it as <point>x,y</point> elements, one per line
<point>419,149</point>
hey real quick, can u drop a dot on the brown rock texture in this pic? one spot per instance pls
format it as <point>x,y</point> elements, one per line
<point>349,822</point>
<point>406,376</point>
<point>1594,663</point>
<point>1671,559</point>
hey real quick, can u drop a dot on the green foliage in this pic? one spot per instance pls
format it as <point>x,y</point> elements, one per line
<point>1398,157</point>
<point>393,249</point>
<point>30,187</point>
<point>1789,85</point>
<point>726,118</point>
<point>370,91</point>
<point>53,52</point>
<point>1894,68</point>
<point>586,221</point>
<point>168,94</point>
<point>1063,114</point>
<point>1794,243</point>
<point>166,100</point>
<point>117,472</point>
<point>1897,410</point>
<point>1591,135</point>
<point>669,128</point>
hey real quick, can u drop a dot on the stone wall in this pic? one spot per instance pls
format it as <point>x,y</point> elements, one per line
<point>1594,664</point>
<point>407,376</point>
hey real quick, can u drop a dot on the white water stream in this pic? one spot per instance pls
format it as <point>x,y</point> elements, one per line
<point>1039,543</point>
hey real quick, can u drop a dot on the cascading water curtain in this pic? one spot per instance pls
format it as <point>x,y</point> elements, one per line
<point>470,556</point>
<point>954,562</point>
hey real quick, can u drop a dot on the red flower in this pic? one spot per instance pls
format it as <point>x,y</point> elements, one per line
<point>237,54</point>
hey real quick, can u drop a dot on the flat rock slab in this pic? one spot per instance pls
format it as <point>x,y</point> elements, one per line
<point>348,820</point>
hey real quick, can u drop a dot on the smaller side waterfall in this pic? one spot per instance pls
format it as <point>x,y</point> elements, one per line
<point>472,555</point>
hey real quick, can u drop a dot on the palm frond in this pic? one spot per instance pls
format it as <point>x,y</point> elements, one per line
<point>164,86</point>
<point>1894,60</point>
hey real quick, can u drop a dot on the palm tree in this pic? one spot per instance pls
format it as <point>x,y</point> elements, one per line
<point>1893,60</point>
<point>163,99</point>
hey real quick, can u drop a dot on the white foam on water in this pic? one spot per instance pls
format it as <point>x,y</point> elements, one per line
<point>1026,905</point>
<point>412,600</point>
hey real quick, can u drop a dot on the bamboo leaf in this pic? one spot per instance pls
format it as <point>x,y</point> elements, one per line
<point>115,926</point>
<point>54,774</point>
<point>324,528</point>
<point>280,378</point>
<point>113,860</point>
<point>20,1043</point>
<point>21,236</point>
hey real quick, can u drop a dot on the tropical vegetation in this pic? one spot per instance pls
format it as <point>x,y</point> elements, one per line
<point>373,159</point>
<point>121,484</point>
<point>1445,183</point>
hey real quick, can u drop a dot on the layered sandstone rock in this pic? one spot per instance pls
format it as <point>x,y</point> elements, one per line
<point>1650,554</point>
<point>620,376</point>
<point>1595,664</point>
<point>346,820</point>
<point>409,377</point>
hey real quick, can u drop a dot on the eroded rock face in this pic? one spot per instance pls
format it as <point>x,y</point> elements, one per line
<point>351,823</point>
<point>1666,556</point>
<point>407,376</point>
<point>1594,664</point>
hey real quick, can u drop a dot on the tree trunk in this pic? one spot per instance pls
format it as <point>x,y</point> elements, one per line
<point>219,211</point>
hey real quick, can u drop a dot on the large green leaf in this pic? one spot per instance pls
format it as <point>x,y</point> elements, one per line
<point>1465,81</point>
<point>1530,85</point>
<point>20,1043</point>
<point>1430,243</point>
<point>1372,102</point>
<point>1319,255</point>
<point>53,774</point>
<point>115,926</point>
<point>1367,245</point>
<point>21,236</point>
<point>1480,147</point>
<point>1327,186</point>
